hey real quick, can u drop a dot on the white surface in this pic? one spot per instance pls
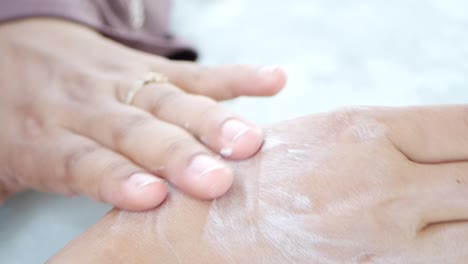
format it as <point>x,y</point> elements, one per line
<point>337,53</point>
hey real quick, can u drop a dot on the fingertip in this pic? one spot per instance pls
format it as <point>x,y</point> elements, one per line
<point>272,80</point>
<point>142,192</point>
<point>242,140</point>
<point>205,178</point>
<point>247,145</point>
<point>217,183</point>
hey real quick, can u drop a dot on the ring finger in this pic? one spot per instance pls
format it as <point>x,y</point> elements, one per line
<point>215,126</point>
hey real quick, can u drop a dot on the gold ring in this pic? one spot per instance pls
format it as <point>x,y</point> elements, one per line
<point>150,77</point>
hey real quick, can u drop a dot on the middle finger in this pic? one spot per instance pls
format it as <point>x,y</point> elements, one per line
<point>160,147</point>
<point>217,127</point>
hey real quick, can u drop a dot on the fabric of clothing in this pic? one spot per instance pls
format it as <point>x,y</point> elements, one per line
<point>113,19</point>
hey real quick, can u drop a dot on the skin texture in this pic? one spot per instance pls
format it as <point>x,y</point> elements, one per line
<point>365,185</point>
<point>65,127</point>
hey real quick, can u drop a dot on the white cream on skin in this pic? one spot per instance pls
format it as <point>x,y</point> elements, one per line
<point>226,152</point>
<point>272,210</point>
<point>293,203</point>
<point>264,209</point>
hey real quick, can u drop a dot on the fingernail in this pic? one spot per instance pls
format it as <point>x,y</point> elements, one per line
<point>234,129</point>
<point>202,165</point>
<point>268,70</point>
<point>140,180</point>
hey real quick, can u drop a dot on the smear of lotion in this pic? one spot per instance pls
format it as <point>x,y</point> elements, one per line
<point>265,211</point>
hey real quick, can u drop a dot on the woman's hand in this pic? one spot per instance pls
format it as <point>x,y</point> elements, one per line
<point>373,185</point>
<point>66,129</point>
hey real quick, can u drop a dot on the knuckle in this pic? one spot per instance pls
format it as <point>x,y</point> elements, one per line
<point>343,118</point>
<point>209,107</point>
<point>124,127</point>
<point>356,124</point>
<point>193,77</point>
<point>196,74</point>
<point>109,171</point>
<point>73,159</point>
<point>179,146</point>
<point>347,115</point>
<point>111,168</point>
<point>32,123</point>
<point>211,113</point>
<point>97,177</point>
<point>80,85</point>
<point>206,102</point>
<point>164,100</point>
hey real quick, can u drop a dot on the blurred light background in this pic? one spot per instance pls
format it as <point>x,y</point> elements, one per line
<point>337,53</point>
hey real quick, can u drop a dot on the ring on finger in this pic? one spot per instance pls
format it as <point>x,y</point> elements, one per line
<point>148,78</point>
